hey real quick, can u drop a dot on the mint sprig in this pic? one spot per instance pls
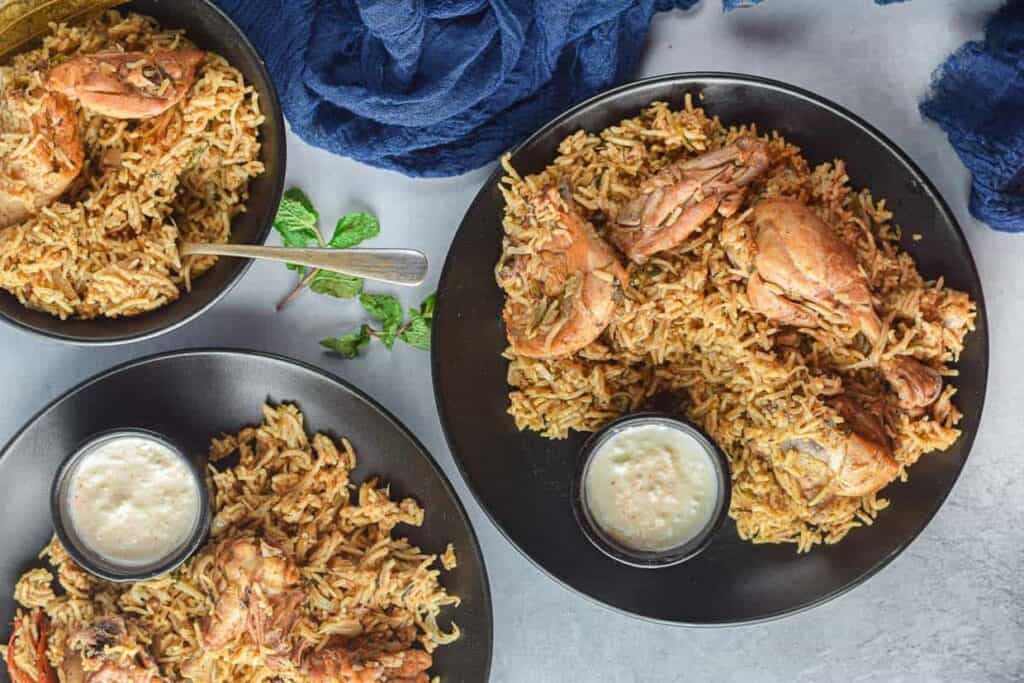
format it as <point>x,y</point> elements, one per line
<point>417,330</point>
<point>296,222</point>
<point>335,284</point>
<point>414,331</point>
<point>354,229</point>
<point>348,345</point>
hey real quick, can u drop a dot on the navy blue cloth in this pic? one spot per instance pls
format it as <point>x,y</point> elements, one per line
<point>440,87</point>
<point>730,5</point>
<point>977,97</point>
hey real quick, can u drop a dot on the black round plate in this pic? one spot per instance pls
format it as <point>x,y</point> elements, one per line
<point>523,481</point>
<point>210,29</point>
<point>194,395</point>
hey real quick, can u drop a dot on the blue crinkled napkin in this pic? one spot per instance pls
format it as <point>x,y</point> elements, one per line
<point>977,97</point>
<point>440,87</point>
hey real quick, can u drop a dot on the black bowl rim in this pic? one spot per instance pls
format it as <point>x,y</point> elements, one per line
<point>275,120</point>
<point>477,550</point>
<point>684,78</point>
<point>164,566</point>
<point>657,559</point>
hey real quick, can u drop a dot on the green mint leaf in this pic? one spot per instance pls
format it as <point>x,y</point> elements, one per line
<point>383,307</point>
<point>388,311</point>
<point>335,284</point>
<point>427,307</point>
<point>297,195</point>
<point>354,229</point>
<point>296,219</point>
<point>296,222</point>
<point>348,345</point>
<point>417,332</point>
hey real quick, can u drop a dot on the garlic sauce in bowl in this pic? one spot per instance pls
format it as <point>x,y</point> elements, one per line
<point>133,500</point>
<point>129,504</point>
<point>651,490</point>
<point>651,487</point>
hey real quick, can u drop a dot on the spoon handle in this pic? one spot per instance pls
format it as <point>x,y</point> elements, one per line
<point>396,266</point>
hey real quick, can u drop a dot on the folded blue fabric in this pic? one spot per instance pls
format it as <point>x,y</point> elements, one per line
<point>440,87</point>
<point>977,97</point>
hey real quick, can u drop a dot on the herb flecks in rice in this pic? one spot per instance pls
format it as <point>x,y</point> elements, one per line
<point>109,247</point>
<point>364,585</point>
<point>685,327</point>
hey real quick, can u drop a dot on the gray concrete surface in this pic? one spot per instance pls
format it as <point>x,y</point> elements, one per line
<point>951,608</point>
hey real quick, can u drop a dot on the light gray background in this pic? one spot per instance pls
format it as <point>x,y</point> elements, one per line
<point>950,608</point>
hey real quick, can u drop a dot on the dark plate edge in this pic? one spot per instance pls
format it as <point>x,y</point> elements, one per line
<point>722,76</point>
<point>277,124</point>
<point>312,369</point>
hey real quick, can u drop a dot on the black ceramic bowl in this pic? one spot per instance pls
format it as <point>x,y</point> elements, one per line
<point>523,481</point>
<point>212,30</point>
<point>99,565</point>
<point>638,558</point>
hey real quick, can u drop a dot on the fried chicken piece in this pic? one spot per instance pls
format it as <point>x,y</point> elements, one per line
<point>577,276</point>
<point>127,85</point>
<point>337,665</point>
<point>801,269</point>
<point>677,200</point>
<point>261,595</point>
<point>766,299</point>
<point>917,385</point>
<point>89,658</point>
<point>42,171</point>
<point>812,268</point>
<point>863,465</point>
<point>870,465</point>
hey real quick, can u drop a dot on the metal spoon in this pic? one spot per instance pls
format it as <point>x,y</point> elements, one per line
<point>396,266</point>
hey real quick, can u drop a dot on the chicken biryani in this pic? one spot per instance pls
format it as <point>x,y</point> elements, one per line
<point>119,141</point>
<point>302,579</point>
<point>672,260</point>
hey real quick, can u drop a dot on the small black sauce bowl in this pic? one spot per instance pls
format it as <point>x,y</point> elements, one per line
<point>95,563</point>
<point>639,558</point>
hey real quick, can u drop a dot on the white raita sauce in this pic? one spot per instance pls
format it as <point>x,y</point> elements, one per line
<point>133,500</point>
<point>651,487</point>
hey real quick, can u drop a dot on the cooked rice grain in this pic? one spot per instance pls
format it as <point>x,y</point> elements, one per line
<point>685,327</point>
<point>361,581</point>
<point>109,247</point>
